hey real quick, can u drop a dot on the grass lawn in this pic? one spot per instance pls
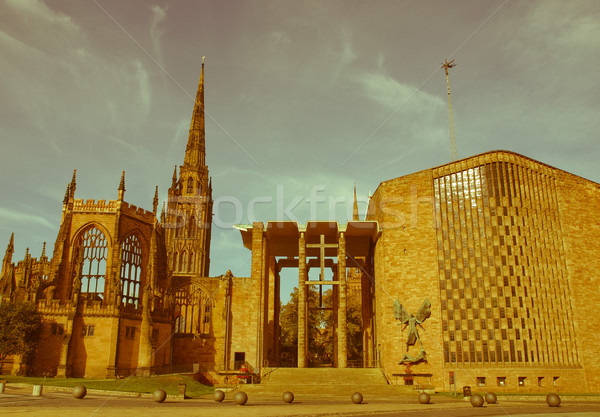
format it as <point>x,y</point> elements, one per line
<point>170,383</point>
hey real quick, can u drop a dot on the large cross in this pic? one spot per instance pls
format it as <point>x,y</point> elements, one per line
<point>322,246</point>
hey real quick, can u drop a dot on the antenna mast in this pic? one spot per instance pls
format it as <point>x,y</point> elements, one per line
<point>447,65</point>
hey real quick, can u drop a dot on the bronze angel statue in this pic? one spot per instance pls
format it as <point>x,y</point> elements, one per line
<point>411,321</point>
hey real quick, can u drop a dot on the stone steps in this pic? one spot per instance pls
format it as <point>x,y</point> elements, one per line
<point>325,383</point>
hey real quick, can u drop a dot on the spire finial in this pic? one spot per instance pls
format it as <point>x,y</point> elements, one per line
<point>26,253</point>
<point>43,251</point>
<point>355,215</point>
<point>155,201</point>
<point>195,152</point>
<point>162,214</point>
<point>122,186</point>
<point>174,183</point>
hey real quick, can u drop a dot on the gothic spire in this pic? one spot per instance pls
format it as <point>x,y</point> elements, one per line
<point>174,182</point>
<point>162,214</point>
<point>122,186</point>
<point>355,215</point>
<point>43,251</point>
<point>194,152</point>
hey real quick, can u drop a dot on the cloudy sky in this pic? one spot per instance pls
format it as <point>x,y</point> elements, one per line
<point>303,99</point>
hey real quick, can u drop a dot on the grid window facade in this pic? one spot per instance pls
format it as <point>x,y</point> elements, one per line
<point>500,255</point>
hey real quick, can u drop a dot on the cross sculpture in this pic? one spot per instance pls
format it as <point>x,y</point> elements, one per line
<point>411,321</point>
<point>322,246</point>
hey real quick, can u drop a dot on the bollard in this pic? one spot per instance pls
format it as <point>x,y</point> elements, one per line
<point>181,391</point>
<point>37,390</point>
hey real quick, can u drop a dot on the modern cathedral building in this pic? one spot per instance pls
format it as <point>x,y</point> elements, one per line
<point>480,272</point>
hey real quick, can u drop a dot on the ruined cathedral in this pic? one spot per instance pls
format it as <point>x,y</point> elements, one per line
<point>479,272</point>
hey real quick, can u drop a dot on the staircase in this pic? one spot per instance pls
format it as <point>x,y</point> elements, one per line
<point>325,383</point>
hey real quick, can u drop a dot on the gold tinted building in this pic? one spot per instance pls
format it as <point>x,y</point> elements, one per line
<point>505,248</point>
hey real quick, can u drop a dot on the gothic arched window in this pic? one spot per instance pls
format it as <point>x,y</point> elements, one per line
<point>92,245</point>
<point>183,260</point>
<point>191,263</point>
<point>192,310</point>
<point>175,261</point>
<point>192,226</point>
<point>131,270</point>
<point>190,186</point>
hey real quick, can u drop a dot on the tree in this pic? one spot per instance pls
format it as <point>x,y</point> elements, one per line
<point>320,328</point>
<point>20,329</point>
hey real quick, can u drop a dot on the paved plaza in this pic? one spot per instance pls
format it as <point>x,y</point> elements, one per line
<point>19,401</point>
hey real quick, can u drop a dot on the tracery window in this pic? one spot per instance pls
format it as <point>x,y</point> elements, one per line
<point>191,263</point>
<point>93,246</point>
<point>192,310</point>
<point>131,269</point>
<point>190,186</point>
<point>192,226</point>
<point>183,260</point>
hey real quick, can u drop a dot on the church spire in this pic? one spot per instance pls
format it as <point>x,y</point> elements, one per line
<point>194,152</point>
<point>355,215</point>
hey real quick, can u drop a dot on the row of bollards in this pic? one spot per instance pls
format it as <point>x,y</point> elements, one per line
<point>241,398</point>
<point>553,400</point>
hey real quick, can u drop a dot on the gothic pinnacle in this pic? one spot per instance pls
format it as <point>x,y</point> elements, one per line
<point>73,183</point>
<point>174,183</point>
<point>162,214</point>
<point>155,201</point>
<point>11,243</point>
<point>43,251</point>
<point>122,186</point>
<point>67,194</point>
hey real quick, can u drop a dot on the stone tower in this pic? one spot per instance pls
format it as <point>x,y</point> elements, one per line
<point>189,206</point>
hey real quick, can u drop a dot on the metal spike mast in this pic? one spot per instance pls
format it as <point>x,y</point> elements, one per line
<point>447,65</point>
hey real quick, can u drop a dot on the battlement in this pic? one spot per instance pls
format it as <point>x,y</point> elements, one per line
<point>91,206</point>
<point>138,212</point>
<point>112,206</point>
<point>54,307</point>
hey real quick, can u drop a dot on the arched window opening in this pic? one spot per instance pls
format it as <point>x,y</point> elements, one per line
<point>92,245</point>
<point>183,260</point>
<point>192,226</point>
<point>191,263</point>
<point>190,186</point>
<point>192,310</point>
<point>175,261</point>
<point>131,269</point>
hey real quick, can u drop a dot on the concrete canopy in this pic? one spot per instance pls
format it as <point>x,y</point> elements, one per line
<point>283,237</point>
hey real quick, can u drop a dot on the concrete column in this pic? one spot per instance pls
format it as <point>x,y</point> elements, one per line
<point>302,334</point>
<point>342,341</point>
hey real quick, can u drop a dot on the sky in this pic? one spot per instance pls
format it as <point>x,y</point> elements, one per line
<point>304,99</point>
